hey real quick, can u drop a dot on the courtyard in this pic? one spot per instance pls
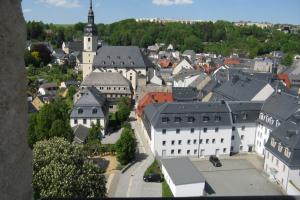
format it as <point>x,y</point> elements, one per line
<point>236,177</point>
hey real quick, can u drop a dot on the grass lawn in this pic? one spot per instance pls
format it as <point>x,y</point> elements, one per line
<point>153,168</point>
<point>166,191</point>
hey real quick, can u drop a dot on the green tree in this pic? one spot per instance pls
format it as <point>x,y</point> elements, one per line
<point>287,60</point>
<point>95,133</point>
<point>123,109</point>
<point>60,170</point>
<point>59,129</point>
<point>126,146</point>
<point>71,92</point>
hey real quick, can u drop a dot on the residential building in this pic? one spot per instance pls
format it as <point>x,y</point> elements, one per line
<point>183,178</point>
<point>111,84</point>
<point>181,94</point>
<point>282,155</point>
<point>90,109</point>
<point>190,54</point>
<point>81,134</point>
<point>40,100</point>
<point>190,78</point>
<point>184,64</point>
<point>200,129</point>
<point>48,89</point>
<point>72,46</point>
<point>276,110</point>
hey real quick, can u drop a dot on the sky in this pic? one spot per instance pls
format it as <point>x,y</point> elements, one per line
<point>109,11</point>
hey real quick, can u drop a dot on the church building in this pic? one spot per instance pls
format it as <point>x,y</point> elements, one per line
<point>126,60</point>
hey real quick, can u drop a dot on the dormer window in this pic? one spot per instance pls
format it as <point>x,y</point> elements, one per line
<point>108,57</point>
<point>245,116</point>
<point>273,142</point>
<point>129,57</point>
<point>280,147</point>
<point>217,118</point>
<point>287,153</point>
<point>191,119</point>
<point>118,57</point>
<point>103,62</point>
<point>205,118</point>
<point>164,119</point>
<point>132,63</point>
<point>95,111</point>
<point>80,111</point>
<point>113,62</point>
<point>177,119</point>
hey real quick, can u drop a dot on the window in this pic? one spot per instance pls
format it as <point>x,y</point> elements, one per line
<point>80,111</point>
<point>233,128</point>
<point>172,151</point>
<point>224,150</point>
<point>207,141</point>
<point>277,162</point>
<point>217,118</point>
<point>179,142</point>
<point>245,116</point>
<point>232,137</point>
<point>287,153</point>
<point>195,151</point>
<point>243,128</point>
<point>98,121</point>
<point>195,141</point>
<point>241,147</point>
<point>189,142</point>
<point>242,137</point>
<point>280,147</point>
<point>173,142</point>
<point>84,121</point>
<point>191,119</point>
<point>75,121</point>
<point>200,141</point>
<point>163,143</point>
<point>177,131</point>
<point>213,141</point>
<point>216,129</point>
<point>164,119</point>
<point>283,168</point>
<point>177,119</point>
<point>179,151</point>
<point>164,131</point>
<point>273,142</point>
<point>89,39</point>
<point>205,118</point>
<point>95,111</point>
<point>205,130</point>
<point>222,140</point>
<point>188,152</point>
<point>192,130</point>
<point>231,148</point>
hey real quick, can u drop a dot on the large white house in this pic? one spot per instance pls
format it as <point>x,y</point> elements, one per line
<point>276,109</point>
<point>282,155</point>
<point>90,109</point>
<point>184,64</point>
<point>200,129</point>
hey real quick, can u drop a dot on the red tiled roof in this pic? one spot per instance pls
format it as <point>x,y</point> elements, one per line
<point>232,61</point>
<point>165,63</point>
<point>285,79</point>
<point>153,97</point>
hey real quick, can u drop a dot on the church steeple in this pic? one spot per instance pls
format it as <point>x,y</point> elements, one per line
<point>90,29</point>
<point>91,13</point>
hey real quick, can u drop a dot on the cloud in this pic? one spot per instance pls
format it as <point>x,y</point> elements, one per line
<point>26,10</point>
<point>62,3</point>
<point>171,2</point>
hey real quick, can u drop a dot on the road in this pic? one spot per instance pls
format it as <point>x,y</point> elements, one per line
<point>131,184</point>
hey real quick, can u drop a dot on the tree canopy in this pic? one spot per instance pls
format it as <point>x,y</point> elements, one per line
<point>220,37</point>
<point>60,170</point>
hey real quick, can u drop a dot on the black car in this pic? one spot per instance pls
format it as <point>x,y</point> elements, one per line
<point>215,161</point>
<point>153,178</point>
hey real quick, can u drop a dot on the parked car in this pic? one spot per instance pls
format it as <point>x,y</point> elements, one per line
<point>215,161</point>
<point>154,177</point>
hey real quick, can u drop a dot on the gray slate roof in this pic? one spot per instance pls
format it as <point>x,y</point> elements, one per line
<point>75,46</point>
<point>182,171</point>
<point>91,99</point>
<point>105,79</point>
<point>185,94</point>
<point>288,134</point>
<point>244,112</point>
<point>241,88</point>
<point>80,133</point>
<point>121,57</point>
<point>280,106</point>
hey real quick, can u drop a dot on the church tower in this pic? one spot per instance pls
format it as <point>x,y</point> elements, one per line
<point>90,43</point>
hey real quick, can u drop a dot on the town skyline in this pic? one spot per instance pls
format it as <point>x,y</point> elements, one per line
<point>74,11</point>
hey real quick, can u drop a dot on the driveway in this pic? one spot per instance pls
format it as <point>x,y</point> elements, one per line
<point>237,177</point>
<point>131,184</point>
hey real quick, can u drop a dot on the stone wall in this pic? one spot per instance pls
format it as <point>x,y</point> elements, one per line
<point>15,155</point>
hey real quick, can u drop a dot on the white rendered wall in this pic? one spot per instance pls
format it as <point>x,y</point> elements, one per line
<point>248,133</point>
<point>89,122</point>
<point>294,177</point>
<point>261,137</point>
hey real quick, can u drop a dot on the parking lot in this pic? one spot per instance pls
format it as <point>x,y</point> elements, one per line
<point>236,177</point>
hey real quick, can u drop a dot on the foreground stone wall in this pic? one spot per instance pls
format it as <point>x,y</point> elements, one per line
<point>15,156</point>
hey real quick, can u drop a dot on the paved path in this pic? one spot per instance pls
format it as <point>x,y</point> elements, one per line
<point>131,184</point>
<point>112,138</point>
